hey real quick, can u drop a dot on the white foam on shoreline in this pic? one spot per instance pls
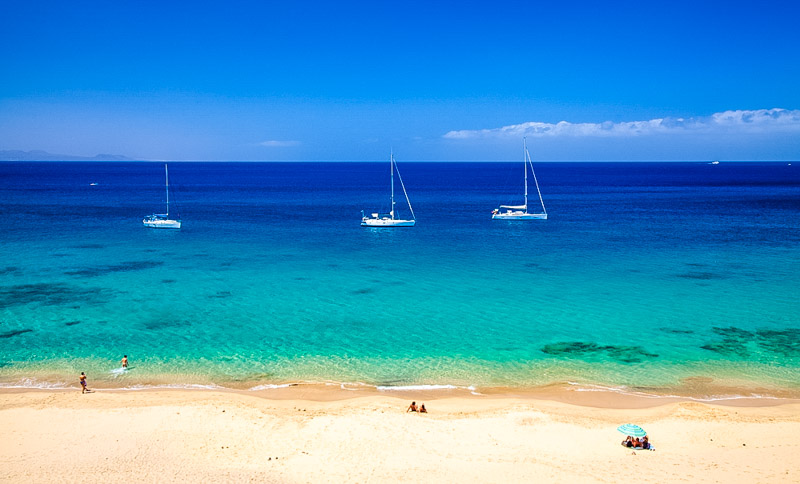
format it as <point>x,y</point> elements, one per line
<point>171,386</point>
<point>272,386</point>
<point>33,383</point>
<point>588,387</point>
<point>358,386</point>
<point>730,397</point>
<point>414,388</point>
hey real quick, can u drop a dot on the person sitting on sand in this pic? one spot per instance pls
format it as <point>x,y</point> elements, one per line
<point>412,407</point>
<point>83,383</point>
<point>124,361</point>
<point>645,443</point>
<point>628,442</point>
<point>636,443</point>
<point>422,408</point>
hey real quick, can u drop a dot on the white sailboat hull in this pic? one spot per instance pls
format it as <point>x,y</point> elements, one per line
<point>519,216</point>
<point>386,222</point>
<point>520,212</point>
<point>162,220</point>
<point>161,223</point>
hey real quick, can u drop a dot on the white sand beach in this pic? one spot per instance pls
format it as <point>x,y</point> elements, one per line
<point>208,436</point>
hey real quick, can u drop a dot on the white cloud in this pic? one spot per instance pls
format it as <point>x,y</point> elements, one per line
<point>279,144</point>
<point>739,121</point>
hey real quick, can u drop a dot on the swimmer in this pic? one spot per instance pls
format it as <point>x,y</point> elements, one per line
<point>83,383</point>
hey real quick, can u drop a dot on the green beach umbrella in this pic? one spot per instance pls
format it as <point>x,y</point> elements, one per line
<point>632,430</point>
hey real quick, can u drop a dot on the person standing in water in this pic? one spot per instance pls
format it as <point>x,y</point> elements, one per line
<point>83,383</point>
<point>124,362</point>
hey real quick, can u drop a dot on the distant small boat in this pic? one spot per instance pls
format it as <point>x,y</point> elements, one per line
<point>162,220</point>
<point>93,184</point>
<point>389,220</point>
<point>715,162</point>
<point>520,212</point>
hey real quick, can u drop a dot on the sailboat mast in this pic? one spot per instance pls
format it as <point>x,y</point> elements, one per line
<point>166,175</point>
<point>524,167</point>
<point>391,169</point>
<point>544,210</point>
<point>403,185</point>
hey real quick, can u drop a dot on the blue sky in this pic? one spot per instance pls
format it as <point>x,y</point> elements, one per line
<point>435,81</point>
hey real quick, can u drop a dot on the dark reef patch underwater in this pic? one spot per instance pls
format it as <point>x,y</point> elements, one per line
<point>701,275</point>
<point>9,334</point>
<point>785,342</point>
<point>47,294</point>
<point>123,267</point>
<point>168,321</point>
<point>623,354</point>
<point>88,246</point>
<point>735,341</point>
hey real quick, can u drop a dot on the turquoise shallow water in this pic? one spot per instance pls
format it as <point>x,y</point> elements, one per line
<point>646,276</point>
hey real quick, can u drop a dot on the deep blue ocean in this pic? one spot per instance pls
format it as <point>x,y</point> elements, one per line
<point>670,277</point>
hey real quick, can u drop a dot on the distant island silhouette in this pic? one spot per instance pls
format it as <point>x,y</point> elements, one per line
<point>39,155</point>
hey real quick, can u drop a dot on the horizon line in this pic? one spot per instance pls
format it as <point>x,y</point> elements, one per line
<point>707,161</point>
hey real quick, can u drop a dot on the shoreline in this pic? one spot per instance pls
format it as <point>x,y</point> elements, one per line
<point>584,395</point>
<point>706,381</point>
<point>298,436</point>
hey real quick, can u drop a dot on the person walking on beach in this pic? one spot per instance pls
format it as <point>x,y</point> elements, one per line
<point>124,362</point>
<point>83,383</point>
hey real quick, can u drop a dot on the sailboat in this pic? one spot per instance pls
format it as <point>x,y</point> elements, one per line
<point>520,212</point>
<point>389,220</point>
<point>162,220</point>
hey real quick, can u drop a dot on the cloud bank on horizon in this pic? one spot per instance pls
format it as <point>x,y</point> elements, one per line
<point>760,121</point>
